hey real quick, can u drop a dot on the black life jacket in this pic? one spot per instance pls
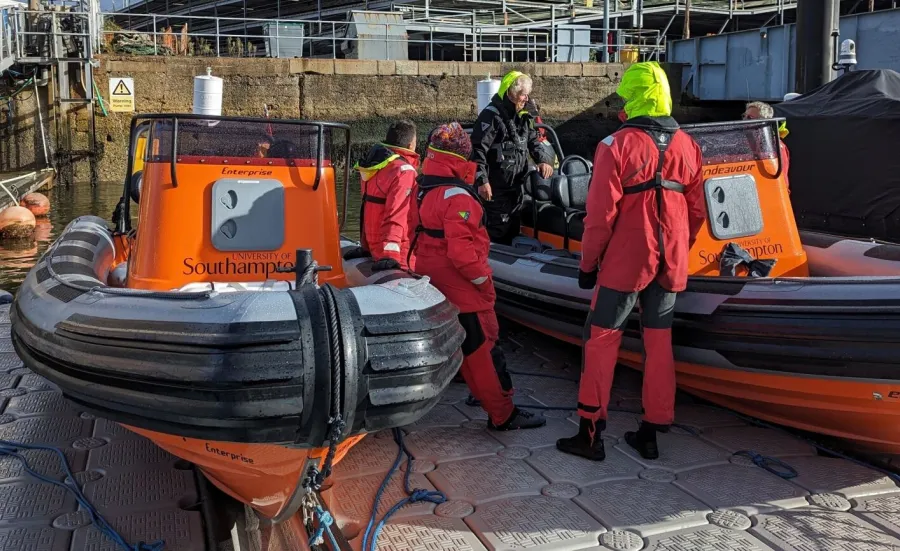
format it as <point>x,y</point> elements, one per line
<point>662,137</point>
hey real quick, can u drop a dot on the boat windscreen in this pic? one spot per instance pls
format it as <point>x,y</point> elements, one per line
<point>226,138</point>
<point>737,142</point>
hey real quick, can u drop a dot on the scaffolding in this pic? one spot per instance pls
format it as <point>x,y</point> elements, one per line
<point>59,43</point>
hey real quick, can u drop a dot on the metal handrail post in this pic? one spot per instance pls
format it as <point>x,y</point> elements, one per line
<point>18,29</point>
<point>155,30</point>
<point>218,54</point>
<point>527,46</point>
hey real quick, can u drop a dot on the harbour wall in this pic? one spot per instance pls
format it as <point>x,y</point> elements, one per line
<point>578,99</point>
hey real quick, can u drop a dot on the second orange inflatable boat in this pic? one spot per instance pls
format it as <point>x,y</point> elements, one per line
<point>813,345</point>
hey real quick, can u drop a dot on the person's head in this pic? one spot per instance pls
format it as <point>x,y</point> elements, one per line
<point>516,87</point>
<point>451,146</point>
<point>402,134</point>
<point>645,89</point>
<point>757,110</point>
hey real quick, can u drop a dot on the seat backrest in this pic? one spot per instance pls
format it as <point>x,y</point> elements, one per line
<point>570,188</point>
<point>539,188</point>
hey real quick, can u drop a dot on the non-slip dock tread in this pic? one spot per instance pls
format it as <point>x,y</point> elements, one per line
<point>134,484</point>
<point>516,491</point>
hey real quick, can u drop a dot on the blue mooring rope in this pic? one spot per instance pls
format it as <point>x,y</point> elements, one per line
<point>325,521</point>
<point>11,449</point>
<point>413,496</point>
<point>770,463</point>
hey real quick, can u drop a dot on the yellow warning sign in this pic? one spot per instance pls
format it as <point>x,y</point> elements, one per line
<point>121,95</point>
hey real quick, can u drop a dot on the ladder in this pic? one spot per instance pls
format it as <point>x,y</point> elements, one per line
<point>61,47</point>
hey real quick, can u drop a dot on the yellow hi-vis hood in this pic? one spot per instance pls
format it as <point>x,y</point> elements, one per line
<point>508,81</point>
<point>378,157</point>
<point>783,130</point>
<point>645,89</point>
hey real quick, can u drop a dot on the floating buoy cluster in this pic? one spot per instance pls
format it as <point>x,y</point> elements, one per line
<point>18,222</point>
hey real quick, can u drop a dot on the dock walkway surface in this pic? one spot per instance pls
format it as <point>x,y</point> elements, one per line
<point>515,491</point>
<point>508,491</point>
<point>144,492</point>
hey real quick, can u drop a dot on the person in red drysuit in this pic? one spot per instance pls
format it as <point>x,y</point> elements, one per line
<point>388,181</point>
<point>645,206</point>
<point>451,245</point>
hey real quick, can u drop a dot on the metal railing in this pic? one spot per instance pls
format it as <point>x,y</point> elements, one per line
<point>71,35</point>
<point>8,38</point>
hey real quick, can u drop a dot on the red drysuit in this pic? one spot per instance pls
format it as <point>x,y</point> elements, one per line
<point>452,248</point>
<point>388,181</point>
<point>785,165</point>
<point>622,233</point>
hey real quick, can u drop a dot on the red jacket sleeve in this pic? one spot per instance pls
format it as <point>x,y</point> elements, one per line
<point>462,220</point>
<point>785,165</point>
<point>604,195</point>
<point>696,199</point>
<point>363,243</point>
<point>394,229</point>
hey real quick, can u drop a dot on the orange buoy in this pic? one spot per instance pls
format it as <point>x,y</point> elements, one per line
<point>37,203</point>
<point>16,223</point>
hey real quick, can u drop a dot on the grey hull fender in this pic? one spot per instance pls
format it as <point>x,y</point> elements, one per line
<point>263,366</point>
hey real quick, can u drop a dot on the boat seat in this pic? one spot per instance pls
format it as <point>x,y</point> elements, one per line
<point>569,194</point>
<point>539,212</point>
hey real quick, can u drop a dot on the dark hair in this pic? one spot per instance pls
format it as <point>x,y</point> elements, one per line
<point>401,134</point>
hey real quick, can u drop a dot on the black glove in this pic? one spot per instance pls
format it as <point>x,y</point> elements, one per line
<point>587,280</point>
<point>356,252</point>
<point>385,264</point>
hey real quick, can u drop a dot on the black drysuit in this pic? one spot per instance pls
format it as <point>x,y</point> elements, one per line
<point>501,141</point>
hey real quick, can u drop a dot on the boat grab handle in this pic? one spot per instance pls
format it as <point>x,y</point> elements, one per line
<point>174,151</point>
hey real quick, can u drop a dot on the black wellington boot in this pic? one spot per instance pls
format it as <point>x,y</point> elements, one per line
<point>587,443</point>
<point>644,440</point>
<point>520,420</point>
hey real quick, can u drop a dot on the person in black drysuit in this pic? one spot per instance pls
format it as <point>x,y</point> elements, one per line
<point>501,141</point>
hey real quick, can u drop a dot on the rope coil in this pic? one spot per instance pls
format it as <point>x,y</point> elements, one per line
<point>413,495</point>
<point>771,464</point>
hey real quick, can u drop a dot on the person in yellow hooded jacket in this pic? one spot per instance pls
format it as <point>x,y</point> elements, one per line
<point>501,142</point>
<point>645,207</point>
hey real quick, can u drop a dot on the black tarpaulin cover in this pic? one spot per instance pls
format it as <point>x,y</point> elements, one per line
<point>844,144</point>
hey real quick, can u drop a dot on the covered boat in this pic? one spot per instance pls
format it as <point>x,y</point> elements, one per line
<point>845,171</point>
<point>225,327</point>
<point>813,345</point>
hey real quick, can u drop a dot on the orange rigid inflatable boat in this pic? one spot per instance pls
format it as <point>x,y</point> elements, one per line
<point>810,341</point>
<point>225,326</point>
